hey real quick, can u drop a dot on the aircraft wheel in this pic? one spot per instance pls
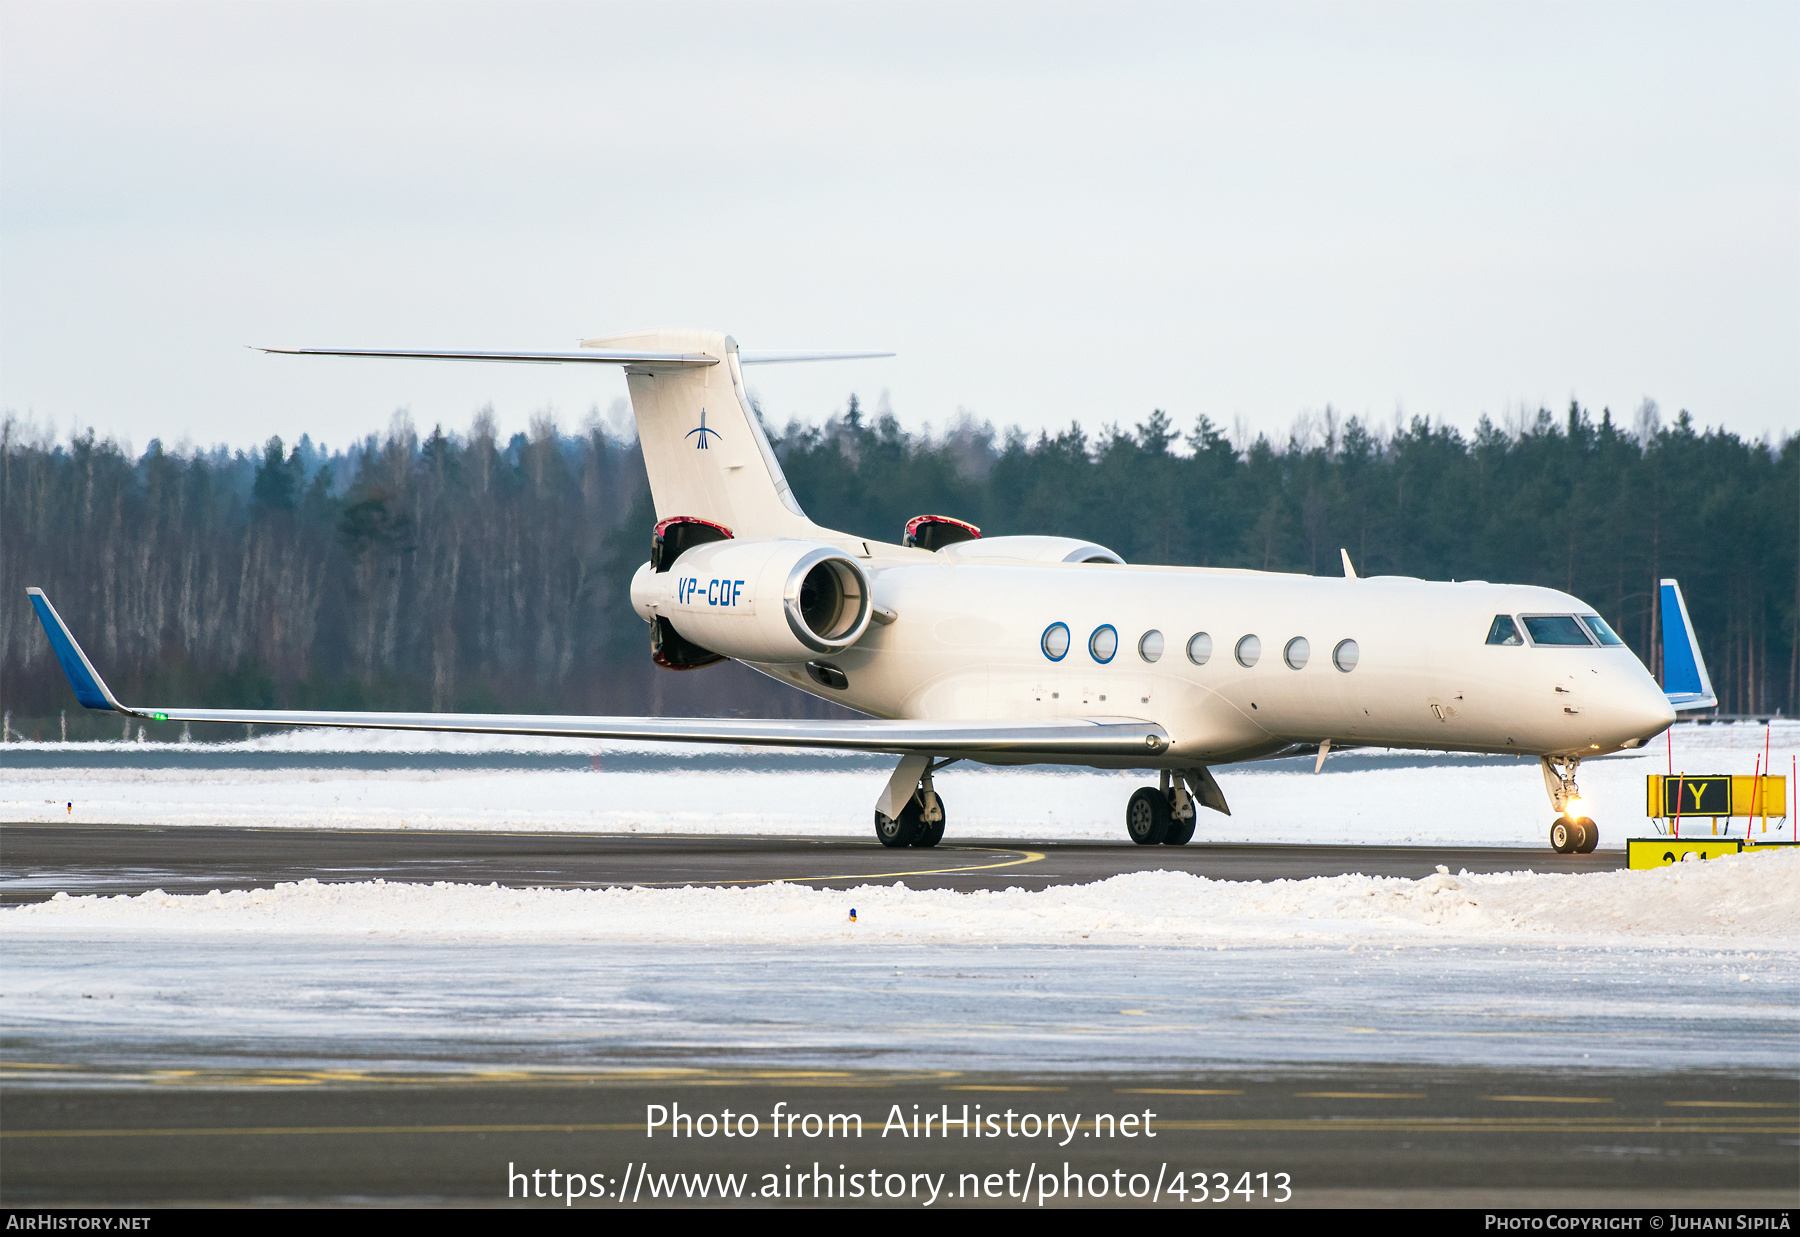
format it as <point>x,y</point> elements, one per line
<point>1180,833</point>
<point>901,832</point>
<point>1564,837</point>
<point>1590,836</point>
<point>931,832</point>
<point>1147,817</point>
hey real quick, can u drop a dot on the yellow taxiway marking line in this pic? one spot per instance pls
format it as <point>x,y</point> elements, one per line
<point>301,830</point>
<point>426,831</point>
<point>1722,1104</point>
<point>1546,1099</point>
<point>1476,1125</point>
<point>1167,1091</point>
<point>666,1077</point>
<point>1359,1095</point>
<point>1026,856</point>
<point>977,1087</point>
<point>270,1130</point>
<point>1413,1125</point>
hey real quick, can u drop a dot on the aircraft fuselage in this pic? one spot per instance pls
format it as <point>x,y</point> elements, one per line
<point>970,641</point>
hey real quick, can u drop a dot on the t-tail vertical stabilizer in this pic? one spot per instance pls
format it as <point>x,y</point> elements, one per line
<point>1685,680</point>
<point>704,450</point>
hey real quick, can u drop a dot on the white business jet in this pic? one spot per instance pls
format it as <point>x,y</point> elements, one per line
<point>1048,650</point>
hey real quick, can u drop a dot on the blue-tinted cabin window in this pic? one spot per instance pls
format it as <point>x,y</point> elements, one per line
<point>1504,631</point>
<point>1556,629</point>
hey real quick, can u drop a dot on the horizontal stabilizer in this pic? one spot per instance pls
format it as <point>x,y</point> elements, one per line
<point>593,356</point>
<point>1685,681</point>
<point>782,358</point>
<point>1017,739</point>
<point>587,356</point>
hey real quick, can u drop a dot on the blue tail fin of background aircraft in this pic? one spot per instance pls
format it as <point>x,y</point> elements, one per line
<point>1685,680</point>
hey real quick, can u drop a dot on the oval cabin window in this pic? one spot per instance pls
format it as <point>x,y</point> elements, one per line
<point>1103,643</point>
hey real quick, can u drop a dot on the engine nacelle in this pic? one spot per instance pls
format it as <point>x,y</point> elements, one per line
<point>767,601</point>
<point>1032,549</point>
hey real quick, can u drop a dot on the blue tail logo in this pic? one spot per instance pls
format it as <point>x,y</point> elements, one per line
<point>702,431</point>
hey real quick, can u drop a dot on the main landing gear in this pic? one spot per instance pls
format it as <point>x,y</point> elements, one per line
<point>1161,815</point>
<point>920,823</point>
<point>909,812</point>
<point>1571,833</point>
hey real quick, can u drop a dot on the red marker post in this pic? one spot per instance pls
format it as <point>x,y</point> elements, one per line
<point>1755,800</point>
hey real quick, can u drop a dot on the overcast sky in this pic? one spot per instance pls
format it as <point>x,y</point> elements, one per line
<point>1050,213</point>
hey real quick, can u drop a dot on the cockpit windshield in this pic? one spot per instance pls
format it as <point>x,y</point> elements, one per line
<point>1602,633</point>
<point>1556,629</point>
<point>1504,631</point>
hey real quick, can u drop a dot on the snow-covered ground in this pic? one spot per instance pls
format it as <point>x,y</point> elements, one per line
<point>1749,900</point>
<point>1156,970</point>
<point>1361,797</point>
<point>1153,971</point>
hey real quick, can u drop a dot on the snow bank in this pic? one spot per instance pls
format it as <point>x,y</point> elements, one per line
<point>1742,898</point>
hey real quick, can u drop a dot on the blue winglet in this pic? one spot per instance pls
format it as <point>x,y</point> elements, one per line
<point>82,677</point>
<point>1685,680</point>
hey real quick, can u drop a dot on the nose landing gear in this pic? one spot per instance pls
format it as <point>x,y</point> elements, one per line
<point>1574,837</point>
<point>1570,833</point>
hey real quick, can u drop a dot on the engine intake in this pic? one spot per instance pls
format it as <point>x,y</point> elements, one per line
<point>760,601</point>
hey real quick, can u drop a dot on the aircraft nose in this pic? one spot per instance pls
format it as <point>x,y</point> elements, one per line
<point>1642,711</point>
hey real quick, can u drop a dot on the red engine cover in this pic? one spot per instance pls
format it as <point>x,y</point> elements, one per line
<point>934,532</point>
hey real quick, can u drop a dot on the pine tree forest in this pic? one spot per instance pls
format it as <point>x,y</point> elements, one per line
<point>457,571</point>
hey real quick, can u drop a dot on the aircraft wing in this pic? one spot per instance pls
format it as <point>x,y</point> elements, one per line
<point>1047,737</point>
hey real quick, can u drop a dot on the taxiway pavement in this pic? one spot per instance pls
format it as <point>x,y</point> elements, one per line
<point>1382,1134</point>
<point>38,861</point>
<point>137,1110</point>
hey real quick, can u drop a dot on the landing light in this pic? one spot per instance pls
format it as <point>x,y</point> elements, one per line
<point>1574,808</point>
